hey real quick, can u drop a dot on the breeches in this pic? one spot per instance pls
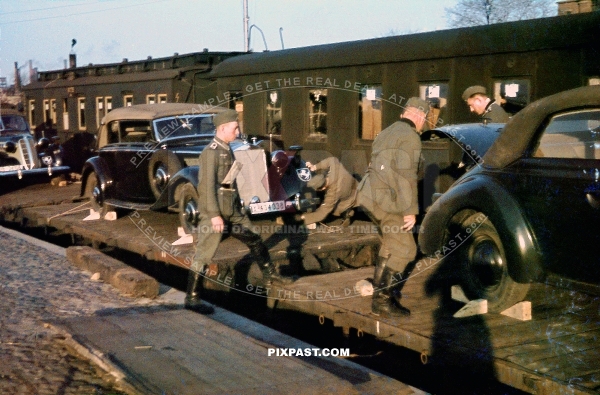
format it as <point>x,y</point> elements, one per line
<point>238,227</point>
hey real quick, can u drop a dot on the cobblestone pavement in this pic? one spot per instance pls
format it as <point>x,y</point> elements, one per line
<point>38,284</point>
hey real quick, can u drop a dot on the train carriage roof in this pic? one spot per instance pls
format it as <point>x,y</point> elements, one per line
<point>554,32</point>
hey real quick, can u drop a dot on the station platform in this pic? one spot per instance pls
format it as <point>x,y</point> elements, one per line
<point>170,350</point>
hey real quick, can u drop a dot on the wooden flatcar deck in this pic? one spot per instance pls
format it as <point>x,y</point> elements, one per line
<point>152,234</point>
<point>556,352</point>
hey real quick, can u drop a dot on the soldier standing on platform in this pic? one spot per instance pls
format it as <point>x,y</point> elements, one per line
<point>479,103</point>
<point>219,207</point>
<point>388,193</point>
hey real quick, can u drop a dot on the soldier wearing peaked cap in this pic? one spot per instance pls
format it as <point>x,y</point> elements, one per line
<point>219,207</point>
<point>388,193</point>
<point>480,104</point>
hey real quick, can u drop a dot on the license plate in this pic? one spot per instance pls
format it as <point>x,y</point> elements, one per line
<point>269,207</point>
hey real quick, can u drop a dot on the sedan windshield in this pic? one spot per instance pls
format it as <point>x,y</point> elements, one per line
<point>184,125</point>
<point>14,122</point>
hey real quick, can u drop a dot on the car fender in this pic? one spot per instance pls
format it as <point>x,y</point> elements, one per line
<point>100,167</point>
<point>484,195</point>
<point>168,198</point>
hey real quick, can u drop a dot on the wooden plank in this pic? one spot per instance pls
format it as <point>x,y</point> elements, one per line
<point>177,351</point>
<point>524,354</point>
<point>101,333</point>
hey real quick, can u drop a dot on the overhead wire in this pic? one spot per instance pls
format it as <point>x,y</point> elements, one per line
<point>77,13</point>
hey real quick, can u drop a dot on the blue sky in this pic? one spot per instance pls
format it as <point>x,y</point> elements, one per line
<point>109,30</point>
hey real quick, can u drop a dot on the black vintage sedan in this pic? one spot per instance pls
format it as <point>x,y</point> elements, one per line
<point>530,208</point>
<point>22,159</point>
<point>139,149</point>
<point>147,159</point>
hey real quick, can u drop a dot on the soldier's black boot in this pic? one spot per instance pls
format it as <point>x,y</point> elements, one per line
<point>192,297</point>
<point>260,252</point>
<point>383,286</point>
<point>270,274</point>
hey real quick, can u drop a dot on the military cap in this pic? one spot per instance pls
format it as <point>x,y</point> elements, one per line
<point>225,117</point>
<point>317,181</point>
<point>473,90</point>
<point>419,103</point>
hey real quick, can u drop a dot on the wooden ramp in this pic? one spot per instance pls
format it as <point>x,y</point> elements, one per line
<point>558,351</point>
<point>174,351</point>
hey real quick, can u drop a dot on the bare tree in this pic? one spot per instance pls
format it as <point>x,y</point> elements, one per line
<point>485,12</point>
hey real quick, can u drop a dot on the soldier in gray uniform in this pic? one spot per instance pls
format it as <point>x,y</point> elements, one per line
<point>479,103</point>
<point>388,193</point>
<point>339,186</point>
<point>219,207</point>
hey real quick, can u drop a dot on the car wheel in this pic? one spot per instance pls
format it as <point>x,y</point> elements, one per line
<point>188,208</point>
<point>482,261</point>
<point>162,166</point>
<point>94,192</point>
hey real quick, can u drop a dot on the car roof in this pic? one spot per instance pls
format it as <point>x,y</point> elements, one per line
<point>522,127</point>
<point>11,111</point>
<point>159,110</point>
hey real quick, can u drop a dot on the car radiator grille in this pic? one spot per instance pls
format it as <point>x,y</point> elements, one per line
<point>28,153</point>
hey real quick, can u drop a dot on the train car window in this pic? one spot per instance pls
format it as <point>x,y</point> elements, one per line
<point>81,113</point>
<point>162,98</point>
<point>273,109</point>
<point>99,110</point>
<point>31,112</point>
<point>236,102</point>
<point>369,112</point>
<point>594,81</point>
<point>317,114</point>
<point>512,94</point>
<point>150,99</point>
<point>46,110</point>
<point>127,100</point>
<point>437,96</point>
<point>65,114</point>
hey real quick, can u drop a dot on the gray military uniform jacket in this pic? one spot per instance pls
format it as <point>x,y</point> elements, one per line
<point>390,185</point>
<point>340,194</point>
<point>495,113</point>
<point>214,198</point>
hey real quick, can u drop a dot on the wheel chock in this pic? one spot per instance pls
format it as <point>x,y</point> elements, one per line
<point>474,307</point>
<point>185,239</point>
<point>181,231</point>
<point>94,215</point>
<point>520,311</point>
<point>111,216</point>
<point>457,293</point>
